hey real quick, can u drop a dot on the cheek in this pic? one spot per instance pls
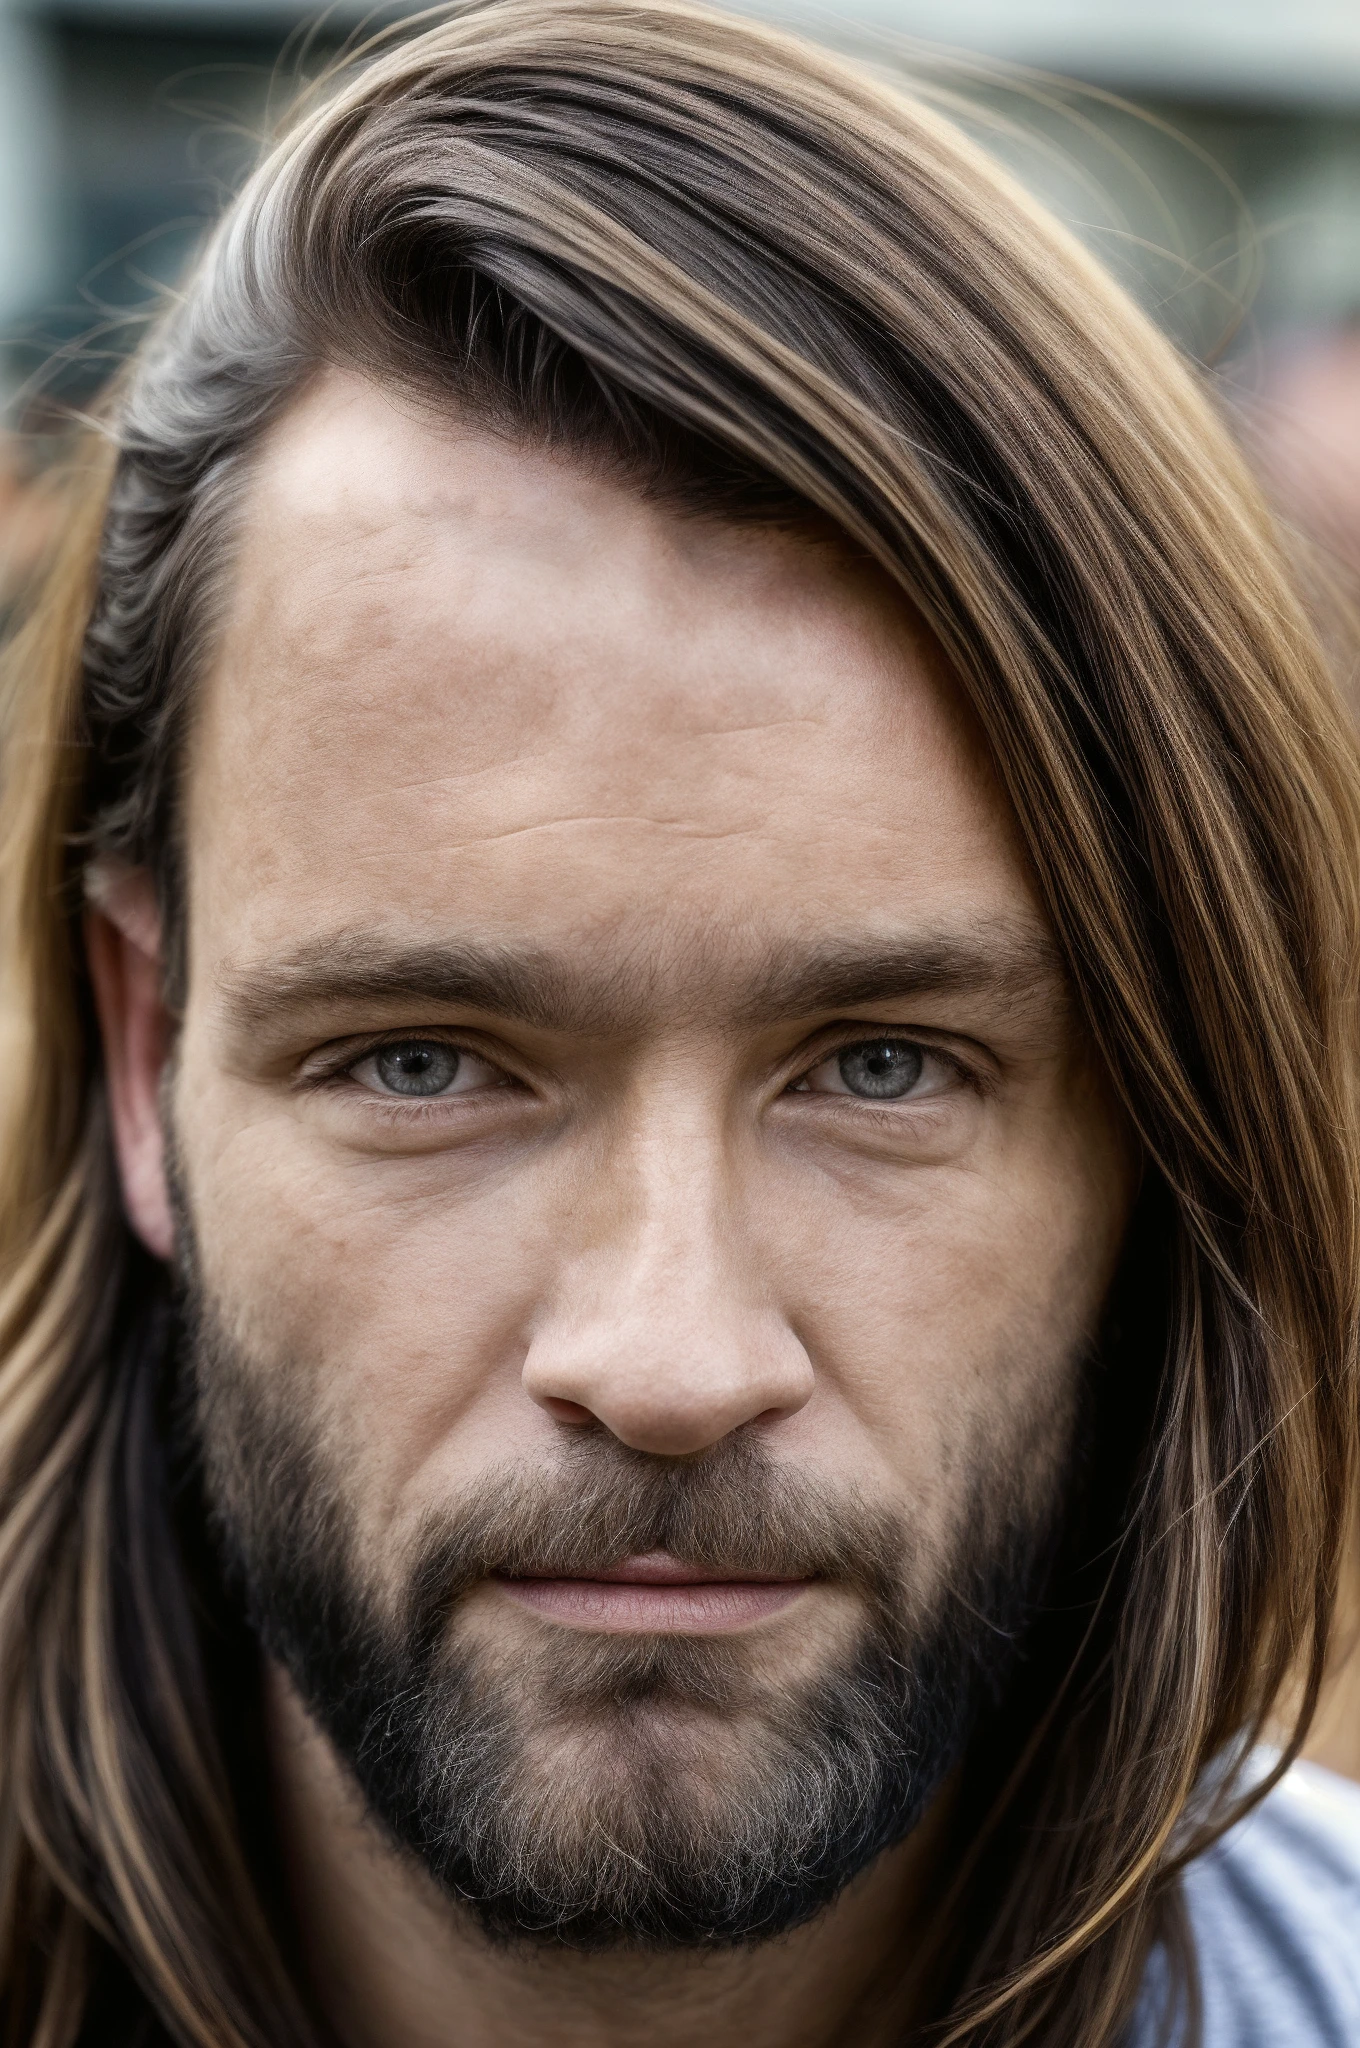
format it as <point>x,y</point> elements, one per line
<point>947,1314</point>
<point>398,1295</point>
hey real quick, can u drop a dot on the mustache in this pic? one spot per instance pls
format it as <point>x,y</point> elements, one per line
<point>732,1508</point>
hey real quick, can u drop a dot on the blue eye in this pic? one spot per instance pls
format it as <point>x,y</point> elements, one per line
<point>881,1068</point>
<point>426,1069</point>
<point>417,1066</point>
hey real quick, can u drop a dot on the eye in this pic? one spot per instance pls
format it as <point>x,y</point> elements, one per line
<point>876,1070</point>
<point>424,1067</point>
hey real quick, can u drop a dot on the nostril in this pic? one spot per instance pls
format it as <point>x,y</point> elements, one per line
<point>566,1411</point>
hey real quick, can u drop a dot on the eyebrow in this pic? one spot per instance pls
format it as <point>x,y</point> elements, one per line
<point>1010,959</point>
<point>547,990</point>
<point>1015,961</point>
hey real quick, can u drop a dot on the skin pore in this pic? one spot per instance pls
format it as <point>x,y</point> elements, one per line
<point>617,1003</point>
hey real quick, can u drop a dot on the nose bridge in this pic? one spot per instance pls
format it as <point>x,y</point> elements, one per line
<point>662,1327</point>
<point>678,1213</point>
<point>660,1249</point>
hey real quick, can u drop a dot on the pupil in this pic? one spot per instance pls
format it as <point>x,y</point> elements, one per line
<point>419,1067</point>
<point>883,1068</point>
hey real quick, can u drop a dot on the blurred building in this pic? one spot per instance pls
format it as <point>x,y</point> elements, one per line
<point>121,123</point>
<point>1230,201</point>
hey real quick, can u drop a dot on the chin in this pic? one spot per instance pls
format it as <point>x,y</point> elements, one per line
<point>659,1799</point>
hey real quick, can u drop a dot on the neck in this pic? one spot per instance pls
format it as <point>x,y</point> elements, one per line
<point>390,1958</point>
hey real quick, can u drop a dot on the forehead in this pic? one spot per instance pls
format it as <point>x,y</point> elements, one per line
<point>464,684</point>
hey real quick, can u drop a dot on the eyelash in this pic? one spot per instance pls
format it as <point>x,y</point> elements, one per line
<point>333,1073</point>
<point>324,1072</point>
<point>971,1076</point>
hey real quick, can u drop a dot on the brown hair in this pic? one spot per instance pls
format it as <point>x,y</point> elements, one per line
<point>744,273</point>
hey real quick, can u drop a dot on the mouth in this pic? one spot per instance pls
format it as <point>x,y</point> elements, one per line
<point>657,1595</point>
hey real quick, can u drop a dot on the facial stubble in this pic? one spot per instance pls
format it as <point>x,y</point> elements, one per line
<point>650,1791</point>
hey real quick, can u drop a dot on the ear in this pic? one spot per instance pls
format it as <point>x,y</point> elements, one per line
<point>123,946</point>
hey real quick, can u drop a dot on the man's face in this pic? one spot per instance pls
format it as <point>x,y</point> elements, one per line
<point>627,1105</point>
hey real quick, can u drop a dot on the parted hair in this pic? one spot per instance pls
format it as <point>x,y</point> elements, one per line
<point>752,277</point>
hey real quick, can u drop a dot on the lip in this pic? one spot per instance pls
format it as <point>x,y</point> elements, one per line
<point>657,1595</point>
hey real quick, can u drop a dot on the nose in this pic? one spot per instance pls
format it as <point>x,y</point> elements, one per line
<point>663,1327</point>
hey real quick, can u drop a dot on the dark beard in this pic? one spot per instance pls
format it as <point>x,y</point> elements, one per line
<point>836,1770</point>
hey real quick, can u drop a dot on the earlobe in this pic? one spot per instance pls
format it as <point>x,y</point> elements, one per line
<point>123,946</point>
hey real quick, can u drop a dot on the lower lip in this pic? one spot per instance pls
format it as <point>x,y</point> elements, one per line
<point>707,1608</point>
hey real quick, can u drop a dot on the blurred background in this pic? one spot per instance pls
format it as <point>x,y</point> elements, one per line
<point>1209,149</point>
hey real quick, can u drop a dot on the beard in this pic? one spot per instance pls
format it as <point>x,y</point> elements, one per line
<point>610,1791</point>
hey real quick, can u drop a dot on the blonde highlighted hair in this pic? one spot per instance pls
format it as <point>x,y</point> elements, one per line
<point>752,279</point>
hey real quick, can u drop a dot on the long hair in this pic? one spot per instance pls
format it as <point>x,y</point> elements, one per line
<point>746,275</point>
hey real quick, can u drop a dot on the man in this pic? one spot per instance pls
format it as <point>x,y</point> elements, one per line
<point>679,1350</point>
